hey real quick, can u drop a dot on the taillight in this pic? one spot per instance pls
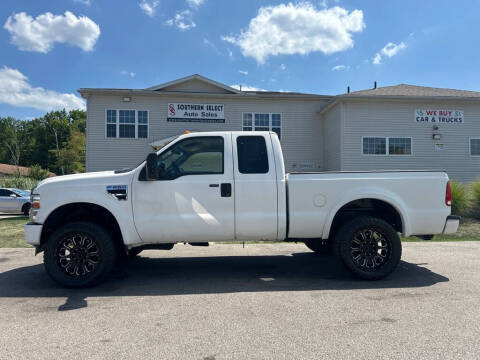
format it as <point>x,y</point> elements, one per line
<point>448,195</point>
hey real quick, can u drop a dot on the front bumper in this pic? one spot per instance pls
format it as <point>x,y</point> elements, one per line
<point>33,232</point>
<point>451,224</point>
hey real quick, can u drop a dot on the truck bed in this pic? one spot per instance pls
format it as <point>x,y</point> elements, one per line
<point>418,197</point>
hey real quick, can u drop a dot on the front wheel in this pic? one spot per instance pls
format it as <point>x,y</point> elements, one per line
<point>369,247</point>
<point>79,254</point>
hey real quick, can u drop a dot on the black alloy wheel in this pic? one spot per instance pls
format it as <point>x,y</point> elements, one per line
<point>79,254</point>
<point>369,247</point>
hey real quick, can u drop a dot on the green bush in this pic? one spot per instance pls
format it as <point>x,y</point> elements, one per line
<point>37,173</point>
<point>460,198</point>
<point>19,182</point>
<point>475,195</point>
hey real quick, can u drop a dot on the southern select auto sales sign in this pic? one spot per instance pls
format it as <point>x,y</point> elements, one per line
<point>199,113</point>
<point>438,116</point>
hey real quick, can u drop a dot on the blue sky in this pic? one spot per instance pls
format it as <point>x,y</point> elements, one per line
<point>315,47</point>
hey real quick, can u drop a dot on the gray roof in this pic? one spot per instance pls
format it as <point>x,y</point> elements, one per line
<point>414,91</point>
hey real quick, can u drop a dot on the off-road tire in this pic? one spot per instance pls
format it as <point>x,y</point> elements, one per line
<point>347,249</point>
<point>104,245</point>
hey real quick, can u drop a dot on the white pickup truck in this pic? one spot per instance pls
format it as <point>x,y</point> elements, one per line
<point>224,186</point>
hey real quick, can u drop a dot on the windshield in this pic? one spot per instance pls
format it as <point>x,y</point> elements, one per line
<point>24,193</point>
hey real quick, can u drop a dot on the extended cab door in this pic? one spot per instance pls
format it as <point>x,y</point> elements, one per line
<point>193,200</point>
<point>256,213</point>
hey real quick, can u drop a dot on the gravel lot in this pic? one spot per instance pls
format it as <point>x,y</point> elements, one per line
<point>275,301</point>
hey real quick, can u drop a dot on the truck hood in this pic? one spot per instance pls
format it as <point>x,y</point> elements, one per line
<point>86,179</point>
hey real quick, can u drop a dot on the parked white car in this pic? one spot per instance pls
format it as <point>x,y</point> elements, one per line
<point>14,201</point>
<point>223,186</point>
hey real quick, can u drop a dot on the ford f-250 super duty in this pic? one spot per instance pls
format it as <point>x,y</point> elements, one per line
<point>223,186</point>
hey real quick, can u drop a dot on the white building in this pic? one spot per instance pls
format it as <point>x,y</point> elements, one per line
<point>395,127</point>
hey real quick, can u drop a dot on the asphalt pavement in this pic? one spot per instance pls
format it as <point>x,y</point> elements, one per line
<point>274,301</point>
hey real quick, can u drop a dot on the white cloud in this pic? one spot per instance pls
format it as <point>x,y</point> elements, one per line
<point>388,51</point>
<point>149,7</point>
<point>182,20</point>
<point>246,87</point>
<point>298,29</point>
<point>230,54</point>
<point>16,90</point>
<point>195,3</point>
<point>283,67</point>
<point>243,72</point>
<point>340,67</point>
<point>229,39</point>
<point>84,2</point>
<point>41,34</point>
<point>129,73</point>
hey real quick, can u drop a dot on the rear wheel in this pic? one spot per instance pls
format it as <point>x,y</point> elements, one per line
<point>319,246</point>
<point>79,254</point>
<point>369,247</point>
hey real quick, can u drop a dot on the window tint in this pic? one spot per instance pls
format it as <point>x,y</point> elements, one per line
<point>193,156</point>
<point>252,155</point>
<point>4,192</point>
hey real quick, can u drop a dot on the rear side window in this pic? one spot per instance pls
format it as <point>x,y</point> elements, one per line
<point>252,155</point>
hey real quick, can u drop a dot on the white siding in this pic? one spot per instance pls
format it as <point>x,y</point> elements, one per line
<point>332,132</point>
<point>301,127</point>
<point>396,119</point>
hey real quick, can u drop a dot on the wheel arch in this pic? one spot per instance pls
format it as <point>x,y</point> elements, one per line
<point>82,211</point>
<point>371,203</point>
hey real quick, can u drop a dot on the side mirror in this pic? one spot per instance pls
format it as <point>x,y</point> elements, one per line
<point>13,195</point>
<point>151,167</point>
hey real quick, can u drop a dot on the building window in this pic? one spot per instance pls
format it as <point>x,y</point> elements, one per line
<point>475,147</point>
<point>143,124</point>
<point>127,124</point>
<point>111,123</point>
<point>399,146</point>
<point>262,122</point>
<point>386,146</point>
<point>247,122</point>
<point>374,146</point>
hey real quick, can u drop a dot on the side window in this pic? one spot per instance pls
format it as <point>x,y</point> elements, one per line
<point>194,156</point>
<point>4,192</point>
<point>252,155</point>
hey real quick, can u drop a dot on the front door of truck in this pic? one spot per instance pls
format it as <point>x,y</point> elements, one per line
<point>193,200</point>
